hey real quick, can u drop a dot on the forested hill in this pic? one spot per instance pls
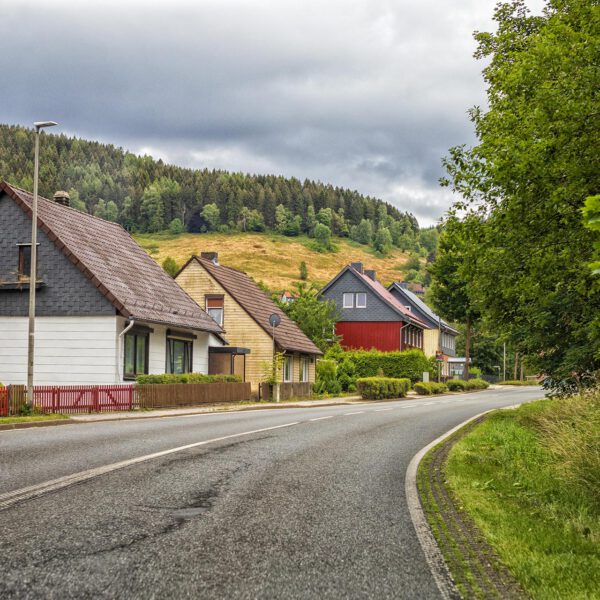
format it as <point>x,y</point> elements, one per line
<point>147,195</point>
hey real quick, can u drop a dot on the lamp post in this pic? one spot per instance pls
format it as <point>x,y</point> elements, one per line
<point>39,125</point>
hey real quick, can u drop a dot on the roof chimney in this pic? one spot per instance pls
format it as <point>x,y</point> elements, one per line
<point>212,256</point>
<point>370,274</point>
<point>61,197</point>
<point>358,266</point>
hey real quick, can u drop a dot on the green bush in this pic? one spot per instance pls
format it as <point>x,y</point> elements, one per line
<point>377,388</point>
<point>456,385</point>
<point>398,365</point>
<point>426,388</point>
<point>518,382</point>
<point>327,378</point>
<point>476,384</point>
<point>187,378</point>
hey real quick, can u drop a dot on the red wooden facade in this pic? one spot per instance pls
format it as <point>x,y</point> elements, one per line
<point>381,335</point>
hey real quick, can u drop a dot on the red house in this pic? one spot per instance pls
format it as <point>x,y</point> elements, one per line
<point>370,316</point>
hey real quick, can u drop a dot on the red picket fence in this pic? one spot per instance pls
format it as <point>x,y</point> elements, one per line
<point>84,398</point>
<point>3,402</point>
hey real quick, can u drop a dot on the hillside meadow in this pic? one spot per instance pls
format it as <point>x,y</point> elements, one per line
<point>274,259</point>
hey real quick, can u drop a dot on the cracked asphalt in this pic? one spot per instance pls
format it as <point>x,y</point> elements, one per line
<point>313,510</point>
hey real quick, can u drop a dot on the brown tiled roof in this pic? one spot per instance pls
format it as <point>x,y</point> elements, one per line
<point>121,270</point>
<point>259,306</point>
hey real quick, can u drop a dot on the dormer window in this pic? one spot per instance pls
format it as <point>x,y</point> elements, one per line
<point>361,300</point>
<point>348,300</point>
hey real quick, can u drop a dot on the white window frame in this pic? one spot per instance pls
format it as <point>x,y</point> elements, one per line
<point>304,369</point>
<point>347,296</point>
<point>288,365</point>
<point>356,304</point>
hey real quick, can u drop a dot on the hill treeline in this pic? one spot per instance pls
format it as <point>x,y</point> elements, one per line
<point>147,195</point>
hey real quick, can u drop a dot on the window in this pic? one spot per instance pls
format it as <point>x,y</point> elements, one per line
<point>361,300</point>
<point>136,354</point>
<point>214,307</point>
<point>179,355</point>
<point>348,300</point>
<point>24,270</point>
<point>304,369</point>
<point>288,368</point>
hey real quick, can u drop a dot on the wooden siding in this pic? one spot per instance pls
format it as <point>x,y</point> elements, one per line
<point>240,328</point>
<point>384,336</point>
<point>431,341</point>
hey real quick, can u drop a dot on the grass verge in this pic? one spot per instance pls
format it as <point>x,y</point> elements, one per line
<point>530,480</point>
<point>31,418</point>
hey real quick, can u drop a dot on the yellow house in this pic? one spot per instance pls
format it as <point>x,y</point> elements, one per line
<point>238,305</point>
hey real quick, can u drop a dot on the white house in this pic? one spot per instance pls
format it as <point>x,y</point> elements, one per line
<point>105,311</point>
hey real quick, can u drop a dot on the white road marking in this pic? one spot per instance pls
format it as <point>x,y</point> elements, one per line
<point>382,409</point>
<point>428,403</point>
<point>360,412</point>
<point>33,491</point>
<point>321,418</point>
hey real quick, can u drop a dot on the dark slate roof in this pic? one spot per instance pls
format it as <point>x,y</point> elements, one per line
<point>413,299</point>
<point>259,306</point>
<point>382,293</point>
<point>119,268</point>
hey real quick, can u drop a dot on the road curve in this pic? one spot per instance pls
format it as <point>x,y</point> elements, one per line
<point>310,506</point>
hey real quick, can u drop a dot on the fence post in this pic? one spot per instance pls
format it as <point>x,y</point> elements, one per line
<point>95,393</point>
<point>54,392</point>
<point>131,397</point>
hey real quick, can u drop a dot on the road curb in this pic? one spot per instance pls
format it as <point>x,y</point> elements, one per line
<point>31,424</point>
<point>435,560</point>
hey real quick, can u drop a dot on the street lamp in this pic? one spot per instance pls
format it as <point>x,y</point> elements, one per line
<point>39,125</point>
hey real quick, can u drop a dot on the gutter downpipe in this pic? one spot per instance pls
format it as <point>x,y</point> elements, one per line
<point>119,345</point>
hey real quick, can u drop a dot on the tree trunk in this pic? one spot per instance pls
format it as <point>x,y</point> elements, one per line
<point>467,350</point>
<point>522,370</point>
<point>516,371</point>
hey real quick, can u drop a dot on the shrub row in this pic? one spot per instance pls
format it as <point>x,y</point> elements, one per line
<point>518,382</point>
<point>430,387</point>
<point>409,364</point>
<point>187,378</point>
<point>460,385</point>
<point>378,388</point>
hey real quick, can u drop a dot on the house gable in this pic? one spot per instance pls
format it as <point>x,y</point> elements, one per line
<point>66,290</point>
<point>350,282</point>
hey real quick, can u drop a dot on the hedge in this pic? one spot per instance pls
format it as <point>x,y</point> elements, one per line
<point>456,385</point>
<point>430,387</point>
<point>477,384</point>
<point>409,364</point>
<point>378,388</point>
<point>187,378</point>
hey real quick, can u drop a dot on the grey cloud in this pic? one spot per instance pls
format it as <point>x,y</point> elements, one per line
<point>366,94</point>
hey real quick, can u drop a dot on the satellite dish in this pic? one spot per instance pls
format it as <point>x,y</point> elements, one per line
<point>274,320</point>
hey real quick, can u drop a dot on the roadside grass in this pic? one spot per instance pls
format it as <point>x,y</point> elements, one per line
<point>31,418</point>
<point>530,479</point>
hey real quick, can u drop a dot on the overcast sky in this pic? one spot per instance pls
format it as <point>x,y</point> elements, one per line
<point>365,94</point>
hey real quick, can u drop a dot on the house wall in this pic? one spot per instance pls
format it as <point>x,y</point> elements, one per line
<point>157,352</point>
<point>67,292</point>
<point>240,328</point>
<point>383,336</point>
<point>430,341</point>
<point>376,309</point>
<point>68,350</point>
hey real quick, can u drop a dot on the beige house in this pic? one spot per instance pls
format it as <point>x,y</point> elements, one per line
<point>238,305</point>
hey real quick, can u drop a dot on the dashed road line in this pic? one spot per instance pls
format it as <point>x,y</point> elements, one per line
<point>360,412</point>
<point>382,409</point>
<point>10,498</point>
<point>322,418</point>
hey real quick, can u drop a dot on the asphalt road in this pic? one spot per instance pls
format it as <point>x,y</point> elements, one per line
<point>312,506</point>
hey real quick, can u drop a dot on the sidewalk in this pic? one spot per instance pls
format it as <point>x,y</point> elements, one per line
<point>210,408</point>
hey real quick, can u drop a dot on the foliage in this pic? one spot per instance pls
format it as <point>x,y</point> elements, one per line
<point>322,235</point>
<point>168,378</point>
<point>315,318</point>
<point>456,385</point>
<point>383,241</point>
<point>363,232</point>
<point>378,388</point>
<point>519,382</point>
<point>271,369</point>
<point>426,388</point>
<point>346,374</point>
<point>176,226</point>
<point>529,478</point>
<point>303,271</point>
<point>475,372</point>
<point>525,183</point>
<point>326,380</point>
<point>410,364</point>
<point>211,215</point>
<point>476,384</point>
<point>170,266</point>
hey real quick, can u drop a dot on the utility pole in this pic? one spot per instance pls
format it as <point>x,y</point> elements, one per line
<point>39,125</point>
<point>504,367</point>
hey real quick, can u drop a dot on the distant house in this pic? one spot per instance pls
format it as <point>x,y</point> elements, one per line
<point>233,299</point>
<point>105,311</point>
<point>370,317</point>
<point>286,297</point>
<point>439,336</point>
